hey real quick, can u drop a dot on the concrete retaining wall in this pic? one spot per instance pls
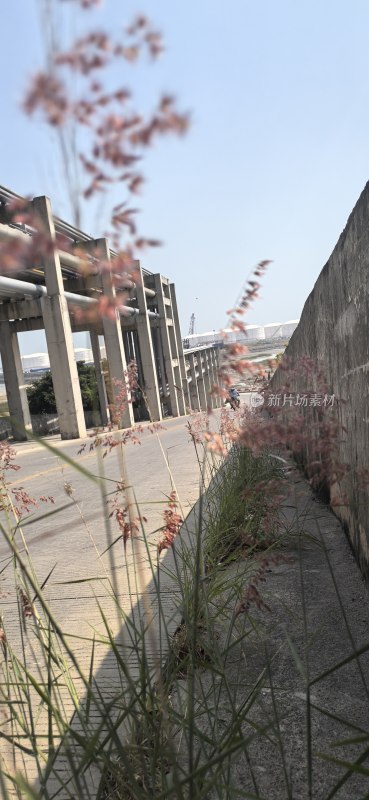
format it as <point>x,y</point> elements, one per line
<point>334,331</point>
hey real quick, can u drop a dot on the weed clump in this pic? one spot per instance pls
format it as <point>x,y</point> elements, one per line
<point>243,504</point>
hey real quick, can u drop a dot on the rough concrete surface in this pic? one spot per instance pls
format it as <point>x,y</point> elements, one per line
<point>333,332</point>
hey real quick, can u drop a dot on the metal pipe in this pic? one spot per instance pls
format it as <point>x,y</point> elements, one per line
<point>65,228</point>
<point>13,286</point>
<point>131,285</point>
<point>66,259</point>
<point>70,260</point>
<point>124,309</point>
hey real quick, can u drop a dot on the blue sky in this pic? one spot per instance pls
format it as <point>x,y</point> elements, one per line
<point>276,157</point>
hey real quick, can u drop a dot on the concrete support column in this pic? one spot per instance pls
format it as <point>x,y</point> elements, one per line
<point>58,333</point>
<point>214,376</point>
<point>150,387</point>
<point>180,354</point>
<point>101,388</point>
<point>216,373</point>
<point>166,345</point>
<point>207,379</point>
<point>14,382</point>
<point>193,387</point>
<point>201,383</point>
<point>114,346</point>
<point>187,383</point>
<point>212,379</point>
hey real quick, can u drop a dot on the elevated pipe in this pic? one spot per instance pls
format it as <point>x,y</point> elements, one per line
<point>66,259</point>
<point>13,287</point>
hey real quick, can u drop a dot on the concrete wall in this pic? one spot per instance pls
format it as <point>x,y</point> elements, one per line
<point>334,332</point>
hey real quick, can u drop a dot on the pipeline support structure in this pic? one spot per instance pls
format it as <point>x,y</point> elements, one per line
<point>143,330</point>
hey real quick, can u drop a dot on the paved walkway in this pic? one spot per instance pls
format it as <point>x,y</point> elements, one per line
<point>70,545</point>
<point>306,656</point>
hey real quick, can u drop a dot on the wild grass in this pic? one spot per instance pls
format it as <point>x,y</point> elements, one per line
<point>241,507</point>
<point>47,721</point>
<point>184,691</point>
<point>193,677</point>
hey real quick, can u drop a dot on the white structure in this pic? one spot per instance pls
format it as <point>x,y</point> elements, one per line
<point>84,354</point>
<point>289,327</point>
<point>35,361</point>
<point>254,333</point>
<point>40,361</point>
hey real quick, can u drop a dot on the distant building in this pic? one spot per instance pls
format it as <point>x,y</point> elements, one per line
<point>253,333</point>
<point>40,361</point>
<point>83,354</point>
<point>35,361</point>
<point>289,327</point>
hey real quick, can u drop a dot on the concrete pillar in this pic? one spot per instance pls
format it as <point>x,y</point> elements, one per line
<point>114,346</point>
<point>59,335</point>
<point>201,383</point>
<point>215,355</point>
<point>14,382</point>
<point>216,372</point>
<point>186,387</point>
<point>162,303</point>
<point>207,378</point>
<point>214,378</point>
<point>193,387</point>
<point>180,354</point>
<point>211,377</point>
<point>150,378</point>
<point>101,388</point>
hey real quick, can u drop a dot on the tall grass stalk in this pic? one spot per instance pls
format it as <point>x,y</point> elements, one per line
<point>160,706</point>
<point>146,672</point>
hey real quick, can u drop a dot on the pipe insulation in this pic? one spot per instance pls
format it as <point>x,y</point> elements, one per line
<point>14,287</point>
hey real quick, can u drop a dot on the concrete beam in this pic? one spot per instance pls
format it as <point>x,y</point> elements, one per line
<point>20,309</point>
<point>24,325</point>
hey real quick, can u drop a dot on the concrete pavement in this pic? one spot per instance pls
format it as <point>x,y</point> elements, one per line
<point>72,544</point>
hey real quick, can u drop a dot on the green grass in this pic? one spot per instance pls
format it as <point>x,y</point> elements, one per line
<point>241,515</point>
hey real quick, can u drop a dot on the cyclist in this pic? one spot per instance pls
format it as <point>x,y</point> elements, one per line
<point>234,397</point>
